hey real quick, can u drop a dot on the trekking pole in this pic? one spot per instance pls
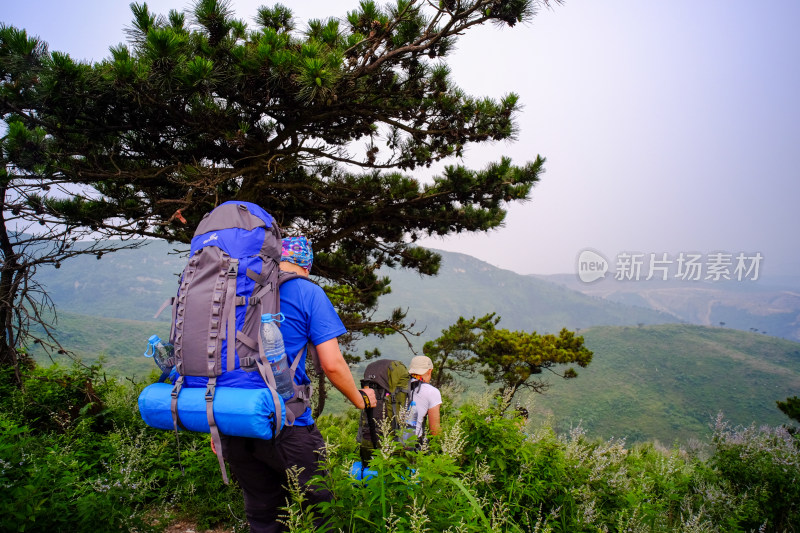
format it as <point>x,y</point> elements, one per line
<point>371,421</point>
<point>369,411</point>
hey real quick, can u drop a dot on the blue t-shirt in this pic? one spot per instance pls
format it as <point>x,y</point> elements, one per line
<point>310,316</point>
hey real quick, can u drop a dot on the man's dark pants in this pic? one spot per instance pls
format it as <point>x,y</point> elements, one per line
<point>260,468</point>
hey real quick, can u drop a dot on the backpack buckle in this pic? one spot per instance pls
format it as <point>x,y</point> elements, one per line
<point>210,392</point>
<point>176,389</point>
<point>233,268</point>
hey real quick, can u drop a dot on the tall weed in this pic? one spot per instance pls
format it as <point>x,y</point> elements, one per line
<point>752,480</point>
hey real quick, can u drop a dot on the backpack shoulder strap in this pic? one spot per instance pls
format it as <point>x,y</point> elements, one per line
<point>283,277</point>
<point>312,350</point>
<point>413,387</point>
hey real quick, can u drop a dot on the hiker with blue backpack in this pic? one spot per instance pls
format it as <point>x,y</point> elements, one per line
<point>244,318</point>
<point>260,465</point>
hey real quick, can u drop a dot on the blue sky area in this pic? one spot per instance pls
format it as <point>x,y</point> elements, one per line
<point>668,127</point>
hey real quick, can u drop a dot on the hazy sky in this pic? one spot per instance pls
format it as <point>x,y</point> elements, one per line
<point>668,127</point>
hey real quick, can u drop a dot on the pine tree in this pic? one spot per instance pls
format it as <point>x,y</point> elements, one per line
<point>454,351</point>
<point>328,127</point>
<point>790,407</point>
<point>513,358</point>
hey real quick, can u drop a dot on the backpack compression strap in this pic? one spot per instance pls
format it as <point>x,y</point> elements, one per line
<point>176,421</point>
<point>212,426</point>
<point>230,295</point>
<point>167,303</point>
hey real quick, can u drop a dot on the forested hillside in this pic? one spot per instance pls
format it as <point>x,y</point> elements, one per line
<point>669,382</point>
<point>132,284</point>
<point>467,287</point>
<point>664,382</point>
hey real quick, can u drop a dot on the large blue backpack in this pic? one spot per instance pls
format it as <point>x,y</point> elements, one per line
<point>224,383</point>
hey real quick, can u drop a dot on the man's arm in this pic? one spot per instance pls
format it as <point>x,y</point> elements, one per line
<point>337,371</point>
<point>433,420</point>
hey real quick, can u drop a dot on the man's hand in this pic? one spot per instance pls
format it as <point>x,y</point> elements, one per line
<point>337,371</point>
<point>368,395</point>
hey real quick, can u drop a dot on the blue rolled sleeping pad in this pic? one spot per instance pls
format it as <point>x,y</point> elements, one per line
<point>237,412</point>
<point>362,473</point>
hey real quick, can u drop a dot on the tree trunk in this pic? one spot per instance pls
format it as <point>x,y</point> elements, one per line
<point>8,341</point>
<point>438,373</point>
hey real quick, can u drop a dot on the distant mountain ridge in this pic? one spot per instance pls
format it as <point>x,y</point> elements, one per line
<point>466,286</point>
<point>132,284</point>
<point>765,307</point>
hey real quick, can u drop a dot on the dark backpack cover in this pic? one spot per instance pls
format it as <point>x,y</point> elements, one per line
<point>389,378</point>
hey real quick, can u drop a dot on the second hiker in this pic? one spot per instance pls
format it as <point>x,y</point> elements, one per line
<point>424,398</point>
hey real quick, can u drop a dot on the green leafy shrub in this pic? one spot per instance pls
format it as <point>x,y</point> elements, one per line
<point>485,472</point>
<point>56,398</point>
<point>506,465</point>
<point>74,463</point>
<point>413,490</point>
<point>51,482</point>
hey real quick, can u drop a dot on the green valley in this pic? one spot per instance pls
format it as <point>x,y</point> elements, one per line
<point>664,382</point>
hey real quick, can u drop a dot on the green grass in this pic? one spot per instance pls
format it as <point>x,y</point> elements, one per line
<point>668,382</point>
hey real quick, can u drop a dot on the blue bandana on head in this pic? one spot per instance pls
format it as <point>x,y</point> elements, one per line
<point>297,250</point>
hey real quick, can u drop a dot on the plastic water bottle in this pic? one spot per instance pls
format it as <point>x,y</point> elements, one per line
<point>274,351</point>
<point>411,423</point>
<point>160,351</point>
<point>412,415</point>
